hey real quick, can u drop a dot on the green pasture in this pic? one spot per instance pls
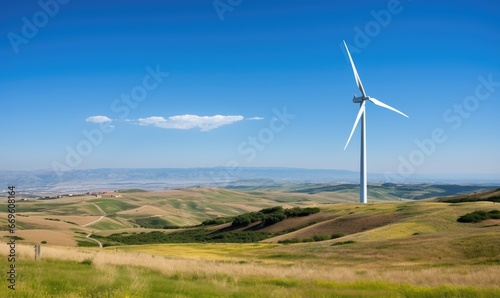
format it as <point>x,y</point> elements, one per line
<point>50,278</point>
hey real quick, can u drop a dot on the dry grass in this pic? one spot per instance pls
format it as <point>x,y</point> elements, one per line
<point>39,235</point>
<point>343,226</point>
<point>295,222</point>
<point>146,210</point>
<point>327,270</point>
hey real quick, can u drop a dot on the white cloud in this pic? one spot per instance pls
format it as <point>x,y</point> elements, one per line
<point>98,119</point>
<point>204,123</point>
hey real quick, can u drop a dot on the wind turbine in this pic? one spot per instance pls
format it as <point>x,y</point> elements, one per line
<point>362,115</point>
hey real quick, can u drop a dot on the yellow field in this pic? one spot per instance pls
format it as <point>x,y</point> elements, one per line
<point>243,261</point>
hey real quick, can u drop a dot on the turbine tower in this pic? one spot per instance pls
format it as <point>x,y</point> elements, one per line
<point>362,115</point>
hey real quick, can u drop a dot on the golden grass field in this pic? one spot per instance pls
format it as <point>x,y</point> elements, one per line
<point>304,261</point>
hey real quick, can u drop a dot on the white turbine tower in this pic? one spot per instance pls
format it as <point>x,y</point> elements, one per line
<point>362,115</point>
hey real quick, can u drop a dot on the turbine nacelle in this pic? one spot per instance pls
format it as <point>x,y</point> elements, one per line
<point>359,99</point>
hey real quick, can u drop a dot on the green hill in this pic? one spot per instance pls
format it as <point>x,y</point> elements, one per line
<point>489,195</point>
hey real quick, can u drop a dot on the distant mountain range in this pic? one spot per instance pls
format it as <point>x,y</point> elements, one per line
<point>50,182</point>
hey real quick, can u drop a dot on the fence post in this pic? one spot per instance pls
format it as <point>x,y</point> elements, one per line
<point>37,251</point>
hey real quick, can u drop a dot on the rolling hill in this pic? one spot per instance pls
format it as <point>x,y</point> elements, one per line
<point>385,248</point>
<point>71,220</point>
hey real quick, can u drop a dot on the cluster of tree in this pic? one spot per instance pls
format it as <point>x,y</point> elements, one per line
<point>479,216</point>
<point>495,199</point>
<point>267,216</point>
<point>343,242</point>
<point>86,244</point>
<point>57,219</point>
<point>217,221</point>
<point>188,236</point>
<point>272,215</point>
<point>314,238</point>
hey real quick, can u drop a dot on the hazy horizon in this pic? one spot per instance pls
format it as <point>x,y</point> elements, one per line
<point>161,178</point>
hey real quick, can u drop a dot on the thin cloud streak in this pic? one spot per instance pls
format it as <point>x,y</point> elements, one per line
<point>204,123</point>
<point>184,122</point>
<point>98,119</point>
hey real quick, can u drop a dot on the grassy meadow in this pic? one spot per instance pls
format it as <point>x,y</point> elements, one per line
<point>239,270</point>
<point>381,249</point>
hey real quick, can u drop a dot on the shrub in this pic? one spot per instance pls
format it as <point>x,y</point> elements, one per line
<point>494,199</point>
<point>289,241</point>
<point>494,214</point>
<point>274,218</point>
<point>344,242</point>
<point>217,221</point>
<point>337,235</point>
<point>272,215</point>
<point>465,199</point>
<point>189,236</point>
<point>86,244</point>
<point>13,237</point>
<point>320,237</point>
<point>86,262</point>
<point>314,238</point>
<point>479,216</point>
<point>276,209</point>
<point>243,220</point>
<point>297,211</point>
<point>476,216</point>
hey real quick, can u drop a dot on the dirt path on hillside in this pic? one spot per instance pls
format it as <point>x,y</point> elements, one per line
<point>92,239</point>
<point>93,222</point>
<point>97,220</point>
<point>99,208</point>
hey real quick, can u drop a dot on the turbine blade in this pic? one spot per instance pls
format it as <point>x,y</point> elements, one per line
<point>381,104</point>
<point>356,76</point>
<point>360,112</point>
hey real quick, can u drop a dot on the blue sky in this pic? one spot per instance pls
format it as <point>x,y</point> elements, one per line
<point>86,84</point>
